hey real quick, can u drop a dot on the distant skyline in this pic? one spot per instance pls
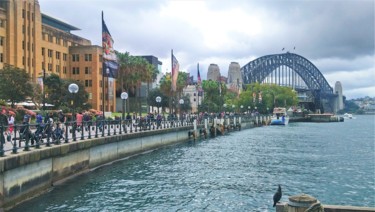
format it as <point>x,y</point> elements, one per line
<point>337,36</point>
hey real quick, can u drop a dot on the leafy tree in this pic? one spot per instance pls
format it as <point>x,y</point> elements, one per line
<point>133,71</point>
<point>151,98</point>
<point>214,96</point>
<point>15,84</point>
<point>54,90</point>
<point>57,93</point>
<point>265,96</point>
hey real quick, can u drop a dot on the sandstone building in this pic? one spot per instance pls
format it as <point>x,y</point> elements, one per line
<point>40,43</point>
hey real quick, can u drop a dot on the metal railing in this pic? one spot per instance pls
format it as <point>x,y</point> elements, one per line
<point>27,136</point>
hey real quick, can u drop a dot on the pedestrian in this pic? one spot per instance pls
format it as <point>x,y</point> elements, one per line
<point>11,123</point>
<point>39,118</point>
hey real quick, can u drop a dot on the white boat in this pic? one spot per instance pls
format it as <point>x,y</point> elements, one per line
<point>348,116</point>
<point>279,117</point>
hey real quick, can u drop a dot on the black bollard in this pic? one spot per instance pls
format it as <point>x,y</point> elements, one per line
<point>37,137</point>
<point>14,150</point>
<point>66,133</point>
<point>26,133</point>
<point>109,127</point>
<point>82,131</point>
<point>96,129</point>
<point>2,141</point>
<point>48,134</point>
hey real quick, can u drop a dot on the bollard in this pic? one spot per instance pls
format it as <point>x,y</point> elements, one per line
<point>108,127</point>
<point>2,142</point>
<point>66,133</point>
<point>96,129</point>
<point>304,202</point>
<point>26,134</point>
<point>89,129</point>
<point>14,150</point>
<point>82,131</point>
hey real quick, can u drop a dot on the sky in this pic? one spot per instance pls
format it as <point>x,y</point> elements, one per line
<point>337,36</point>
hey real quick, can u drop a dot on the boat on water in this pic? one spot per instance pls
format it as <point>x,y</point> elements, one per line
<point>280,116</point>
<point>348,116</point>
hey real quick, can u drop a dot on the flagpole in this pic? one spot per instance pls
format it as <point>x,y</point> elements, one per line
<point>198,90</point>
<point>103,90</point>
<point>172,74</point>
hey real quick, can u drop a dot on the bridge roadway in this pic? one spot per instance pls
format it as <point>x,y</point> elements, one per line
<point>19,142</point>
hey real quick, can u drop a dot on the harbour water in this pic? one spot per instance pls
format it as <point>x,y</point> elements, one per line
<point>334,162</point>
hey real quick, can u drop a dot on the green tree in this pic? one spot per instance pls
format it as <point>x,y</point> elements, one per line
<point>151,98</point>
<point>57,93</point>
<point>214,96</point>
<point>15,85</point>
<point>54,90</point>
<point>265,96</point>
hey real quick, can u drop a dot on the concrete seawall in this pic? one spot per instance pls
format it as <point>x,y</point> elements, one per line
<point>29,173</point>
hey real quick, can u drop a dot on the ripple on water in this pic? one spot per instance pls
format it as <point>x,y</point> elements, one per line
<point>236,172</point>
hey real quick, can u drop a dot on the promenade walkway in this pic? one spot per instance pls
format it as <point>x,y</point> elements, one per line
<point>28,137</point>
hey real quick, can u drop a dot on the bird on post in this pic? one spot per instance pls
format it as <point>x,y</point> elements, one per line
<point>277,196</point>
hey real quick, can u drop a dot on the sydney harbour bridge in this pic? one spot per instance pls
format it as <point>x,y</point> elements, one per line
<point>295,71</point>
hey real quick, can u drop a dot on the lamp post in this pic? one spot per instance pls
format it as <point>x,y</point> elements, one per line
<point>241,108</point>
<point>181,101</point>
<point>233,108</point>
<point>107,94</point>
<point>124,97</point>
<point>44,95</point>
<point>73,89</point>
<point>158,100</point>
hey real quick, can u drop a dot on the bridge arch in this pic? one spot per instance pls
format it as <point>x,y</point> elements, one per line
<point>298,70</point>
<point>258,69</point>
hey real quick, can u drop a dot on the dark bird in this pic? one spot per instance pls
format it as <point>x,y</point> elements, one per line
<point>277,196</point>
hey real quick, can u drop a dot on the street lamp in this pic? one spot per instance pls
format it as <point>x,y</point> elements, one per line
<point>73,89</point>
<point>158,100</point>
<point>233,108</point>
<point>181,101</point>
<point>124,97</point>
<point>44,95</point>
<point>241,108</point>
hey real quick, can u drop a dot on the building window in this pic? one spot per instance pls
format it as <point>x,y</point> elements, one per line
<point>1,58</point>
<point>49,66</point>
<point>88,57</point>
<point>23,44</point>
<point>23,61</point>
<point>1,41</point>
<point>64,69</point>
<point>58,68</point>
<point>65,43</point>
<point>194,100</point>
<point>43,65</point>
<point>88,83</point>
<point>57,40</point>
<point>65,56</point>
<point>58,55</point>
<point>75,71</point>
<point>43,51</point>
<point>1,23</point>
<point>50,53</point>
<point>75,57</point>
<point>87,70</point>
<point>50,38</point>
<point>90,95</point>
